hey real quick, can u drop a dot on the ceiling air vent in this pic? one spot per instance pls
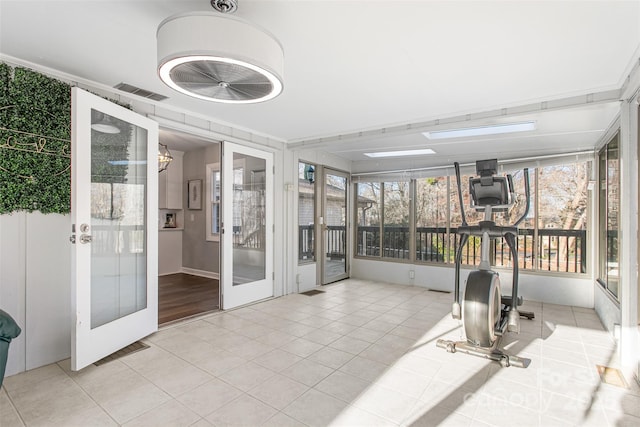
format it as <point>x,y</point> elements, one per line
<point>125,87</point>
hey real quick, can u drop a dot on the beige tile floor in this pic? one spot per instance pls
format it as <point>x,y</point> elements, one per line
<point>361,354</point>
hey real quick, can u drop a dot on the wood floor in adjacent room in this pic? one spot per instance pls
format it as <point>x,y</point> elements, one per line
<point>183,295</point>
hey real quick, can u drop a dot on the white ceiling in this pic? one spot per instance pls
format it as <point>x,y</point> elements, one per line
<point>353,66</point>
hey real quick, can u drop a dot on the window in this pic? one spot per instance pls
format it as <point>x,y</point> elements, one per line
<point>383,215</point>
<point>552,237</point>
<point>213,201</point>
<point>432,220</point>
<point>395,208</point>
<point>609,215</point>
<point>368,218</point>
<point>306,212</point>
<point>562,218</point>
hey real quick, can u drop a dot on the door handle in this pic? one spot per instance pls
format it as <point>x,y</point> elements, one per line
<point>85,238</point>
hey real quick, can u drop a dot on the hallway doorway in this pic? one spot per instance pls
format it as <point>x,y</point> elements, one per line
<point>184,295</point>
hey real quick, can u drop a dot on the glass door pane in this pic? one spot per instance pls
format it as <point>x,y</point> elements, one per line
<point>118,218</point>
<point>249,230</point>
<point>613,216</point>
<point>334,227</point>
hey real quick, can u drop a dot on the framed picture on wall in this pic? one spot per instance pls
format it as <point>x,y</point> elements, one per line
<point>194,190</point>
<point>170,221</point>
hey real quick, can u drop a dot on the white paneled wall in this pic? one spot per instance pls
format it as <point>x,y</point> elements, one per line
<point>13,283</point>
<point>35,289</point>
<point>306,277</point>
<point>566,290</point>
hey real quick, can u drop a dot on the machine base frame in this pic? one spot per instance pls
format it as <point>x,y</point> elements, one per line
<point>492,353</point>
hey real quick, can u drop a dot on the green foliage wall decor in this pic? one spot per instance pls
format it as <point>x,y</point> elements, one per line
<point>35,134</point>
<point>35,144</point>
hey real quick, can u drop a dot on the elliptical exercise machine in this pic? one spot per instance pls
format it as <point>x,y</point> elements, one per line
<point>485,313</point>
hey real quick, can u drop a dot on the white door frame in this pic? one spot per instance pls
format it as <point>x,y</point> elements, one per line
<point>322,213</point>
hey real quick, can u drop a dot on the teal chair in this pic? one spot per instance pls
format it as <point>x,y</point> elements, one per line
<point>9,329</point>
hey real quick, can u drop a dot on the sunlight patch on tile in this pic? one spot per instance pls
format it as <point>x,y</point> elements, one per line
<point>611,376</point>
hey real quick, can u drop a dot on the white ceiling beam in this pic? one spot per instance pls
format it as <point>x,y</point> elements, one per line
<point>457,121</point>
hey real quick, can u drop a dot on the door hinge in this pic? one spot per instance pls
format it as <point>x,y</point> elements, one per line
<point>274,169</point>
<point>273,228</point>
<point>273,276</point>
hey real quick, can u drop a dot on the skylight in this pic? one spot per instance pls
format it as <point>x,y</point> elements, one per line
<point>400,153</point>
<point>481,130</point>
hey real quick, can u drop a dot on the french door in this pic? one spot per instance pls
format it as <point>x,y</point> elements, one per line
<point>334,226</point>
<point>114,198</point>
<point>247,225</point>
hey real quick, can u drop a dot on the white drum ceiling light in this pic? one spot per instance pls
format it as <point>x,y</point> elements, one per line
<point>215,57</point>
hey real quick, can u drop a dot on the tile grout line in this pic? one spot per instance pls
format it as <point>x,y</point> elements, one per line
<point>13,405</point>
<point>87,394</point>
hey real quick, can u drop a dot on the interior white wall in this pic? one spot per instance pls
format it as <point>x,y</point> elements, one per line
<point>13,283</point>
<point>199,256</point>
<point>565,290</point>
<point>169,251</point>
<point>48,328</point>
<point>35,274</point>
<point>290,209</point>
<point>282,224</point>
<point>306,276</point>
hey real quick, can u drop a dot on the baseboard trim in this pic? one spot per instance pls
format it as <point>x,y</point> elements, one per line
<point>167,274</point>
<point>201,273</point>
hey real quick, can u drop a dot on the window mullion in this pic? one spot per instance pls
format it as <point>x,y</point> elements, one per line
<point>448,224</point>
<point>536,206</point>
<point>381,220</point>
<point>412,220</point>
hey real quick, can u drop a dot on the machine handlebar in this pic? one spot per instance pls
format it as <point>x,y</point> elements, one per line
<point>528,197</point>
<point>511,186</point>
<point>494,231</point>
<point>456,165</point>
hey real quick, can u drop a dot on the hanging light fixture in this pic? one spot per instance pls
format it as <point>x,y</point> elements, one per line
<point>103,123</point>
<point>164,157</point>
<point>216,57</point>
